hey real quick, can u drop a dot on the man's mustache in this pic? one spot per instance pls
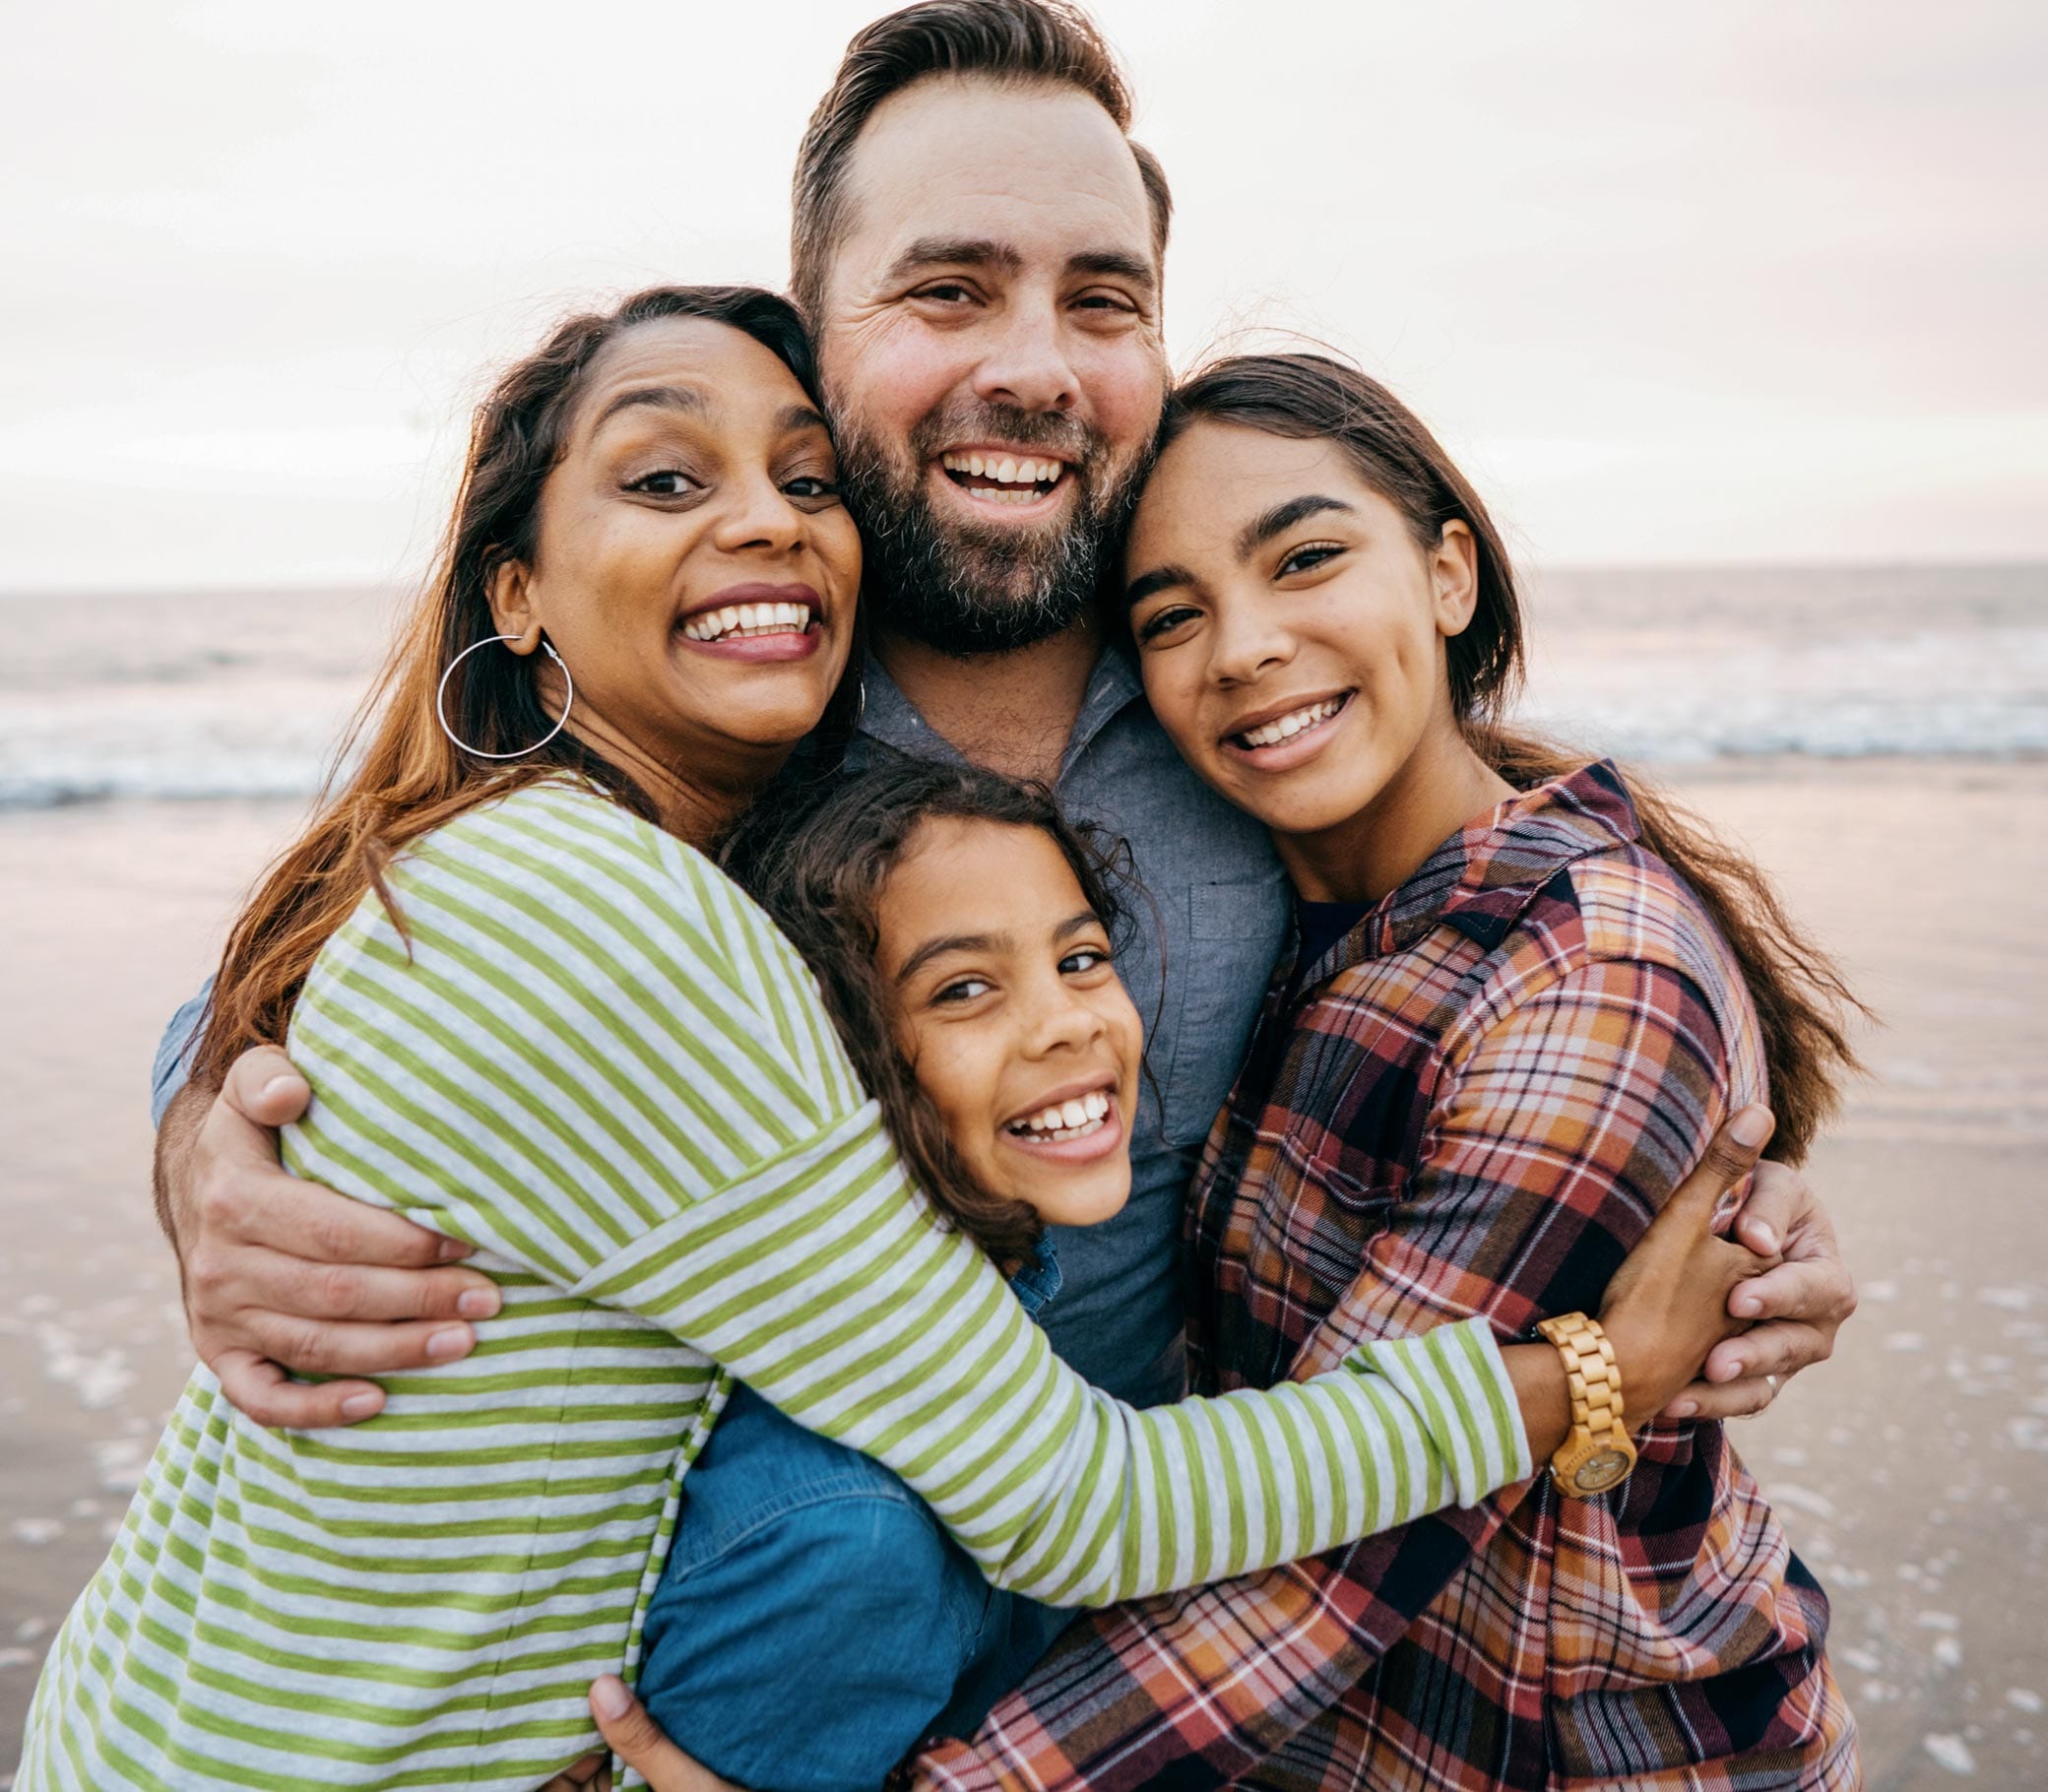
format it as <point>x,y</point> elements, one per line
<point>1064,438</point>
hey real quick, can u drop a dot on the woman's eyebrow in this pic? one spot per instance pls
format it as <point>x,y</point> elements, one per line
<point>800,417</point>
<point>1160,578</point>
<point>1076,924</point>
<point>686,399</point>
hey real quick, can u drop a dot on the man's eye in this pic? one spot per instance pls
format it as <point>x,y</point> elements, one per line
<point>964,989</point>
<point>1306,559</point>
<point>1164,622</point>
<point>1088,958</point>
<point>946,293</point>
<point>668,482</point>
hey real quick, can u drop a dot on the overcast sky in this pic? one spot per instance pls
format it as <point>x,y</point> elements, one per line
<point>1729,282</point>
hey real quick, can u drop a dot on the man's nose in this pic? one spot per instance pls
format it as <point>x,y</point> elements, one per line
<point>1025,362</point>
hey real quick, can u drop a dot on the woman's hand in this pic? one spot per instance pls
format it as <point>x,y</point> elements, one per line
<point>636,1739</point>
<point>1668,1305</point>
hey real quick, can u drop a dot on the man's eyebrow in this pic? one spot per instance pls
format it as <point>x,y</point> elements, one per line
<point>956,251</point>
<point>1264,527</point>
<point>949,943</point>
<point>1122,263</point>
<point>664,398</point>
<point>1160,578</point>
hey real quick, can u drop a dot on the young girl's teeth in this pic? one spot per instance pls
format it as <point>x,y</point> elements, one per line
<point>1076,1119</point>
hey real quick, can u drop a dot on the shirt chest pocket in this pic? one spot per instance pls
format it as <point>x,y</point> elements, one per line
<point>1233,933</point>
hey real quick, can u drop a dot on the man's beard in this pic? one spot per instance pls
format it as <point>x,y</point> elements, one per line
<point>965,588</point>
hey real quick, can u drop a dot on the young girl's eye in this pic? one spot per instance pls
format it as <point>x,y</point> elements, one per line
<point>1088,958</point>
<point>1163,622</point>
<point>667,482</point>
<point>963,988</point>
<point>1306,559</point>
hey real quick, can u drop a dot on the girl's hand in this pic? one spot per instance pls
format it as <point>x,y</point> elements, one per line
<point>1667,1306</point>
<point>636,1739</point>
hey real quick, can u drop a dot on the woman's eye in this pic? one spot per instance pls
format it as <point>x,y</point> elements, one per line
<point>811,486</point>
<point>1306,559</point>
<point>668,482</point>
<point>964,989</point>
<point>1088,958</point>
<point>1164,622</point>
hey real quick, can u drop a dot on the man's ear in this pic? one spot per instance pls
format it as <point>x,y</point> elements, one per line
<point>512,607</point>
<point>1455,578</point>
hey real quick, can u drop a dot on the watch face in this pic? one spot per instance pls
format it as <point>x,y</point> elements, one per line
<point>1600,1471</point>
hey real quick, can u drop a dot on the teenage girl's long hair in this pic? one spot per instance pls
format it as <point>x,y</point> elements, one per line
<point>407,777</point>
<point>1800,997</point>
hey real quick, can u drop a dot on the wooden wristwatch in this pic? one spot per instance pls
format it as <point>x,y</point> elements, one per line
<point>1598,1454</point>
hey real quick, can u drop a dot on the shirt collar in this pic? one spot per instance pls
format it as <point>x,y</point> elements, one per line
<point>1484,877</point>
<point>889,717</point>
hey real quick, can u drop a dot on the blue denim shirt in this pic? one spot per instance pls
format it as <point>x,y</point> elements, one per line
<point>1215,916</point>
<point>814,1621</point>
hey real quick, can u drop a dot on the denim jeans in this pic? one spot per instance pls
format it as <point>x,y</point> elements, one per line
<point>814,1621</point>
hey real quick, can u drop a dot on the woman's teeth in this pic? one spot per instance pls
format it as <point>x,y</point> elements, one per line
<point>1076,1119</point>
<point>1003,479</point>
<point>739,620</point>
<point>1285,727</point>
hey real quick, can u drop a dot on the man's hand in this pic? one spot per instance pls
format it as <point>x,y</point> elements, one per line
<point>636,1739</point>
<point>1795,1310</point>
<point>281,1274</point>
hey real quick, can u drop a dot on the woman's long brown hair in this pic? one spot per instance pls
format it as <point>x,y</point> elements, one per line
<point>407,777</point>
<point>1801,1000</point>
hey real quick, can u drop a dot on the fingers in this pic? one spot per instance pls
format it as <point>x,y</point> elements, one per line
<point>579,1775</point>
<point>1817,1291</point>
<point>1705,1400</point>
<point>312,1347</point>
<point>1780,1203</point>
<point>262,1391</point>
<point>261,1204</point>
<point>1731,1154</point>
<point>263,1086</point>
<point>249,1277</point>
<point>1779,1349</point>
<point>623,1722</point>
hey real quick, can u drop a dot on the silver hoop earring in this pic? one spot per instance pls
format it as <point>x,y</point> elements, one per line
<point>441,693</point>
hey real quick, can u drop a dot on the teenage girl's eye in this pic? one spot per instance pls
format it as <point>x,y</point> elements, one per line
<point>667,482</point>
<point>963,988</point>
<point>1088,958</point>
<point>1162,622</point>
<point>1306,559</point>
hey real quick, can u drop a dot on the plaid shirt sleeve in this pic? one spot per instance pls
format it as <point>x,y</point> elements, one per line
<point>1559,1130</point>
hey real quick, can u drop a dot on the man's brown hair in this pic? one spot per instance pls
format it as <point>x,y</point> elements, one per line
<point>1020,42</point>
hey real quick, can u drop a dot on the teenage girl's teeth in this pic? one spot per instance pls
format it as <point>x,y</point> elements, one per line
<point>739,620</point>
<point>1285,727</point>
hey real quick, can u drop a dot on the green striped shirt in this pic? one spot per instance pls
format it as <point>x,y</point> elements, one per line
<point>591,1056</point>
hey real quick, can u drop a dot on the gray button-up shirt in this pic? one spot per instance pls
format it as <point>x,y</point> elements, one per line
<point>1196,963</point>
<point>1215,923</point>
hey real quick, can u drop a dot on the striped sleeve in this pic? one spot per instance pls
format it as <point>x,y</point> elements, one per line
<point>592,1055</point>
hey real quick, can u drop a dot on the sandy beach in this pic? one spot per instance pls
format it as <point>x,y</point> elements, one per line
<point>1912,1472</point>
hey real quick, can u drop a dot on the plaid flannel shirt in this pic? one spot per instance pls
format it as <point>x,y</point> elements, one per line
<point>1473,1104</point>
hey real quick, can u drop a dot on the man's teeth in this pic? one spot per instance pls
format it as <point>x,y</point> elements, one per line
<point>739,620</point>
<point>1285,727</point>
<point>1008,479</point>
<point>1076,1119</point>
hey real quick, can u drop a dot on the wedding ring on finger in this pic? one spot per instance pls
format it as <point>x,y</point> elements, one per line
<point>1774,1383</point>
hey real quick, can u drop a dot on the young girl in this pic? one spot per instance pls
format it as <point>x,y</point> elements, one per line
<point>536,1015</point>
<point>1521,1001</point>
<point>815,1620</point>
